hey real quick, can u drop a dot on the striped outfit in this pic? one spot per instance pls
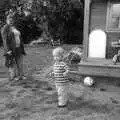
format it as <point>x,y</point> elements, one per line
<point>58,69</point>
<point>61,82</point>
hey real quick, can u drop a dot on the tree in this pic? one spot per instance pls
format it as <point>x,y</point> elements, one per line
<point>62,16</point>
<point>60,19</point>
<point>24,20</point>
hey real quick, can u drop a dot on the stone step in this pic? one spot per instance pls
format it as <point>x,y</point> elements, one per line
<point>98,69</point>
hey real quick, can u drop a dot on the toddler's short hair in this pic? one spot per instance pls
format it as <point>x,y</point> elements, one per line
<point>58,51</point>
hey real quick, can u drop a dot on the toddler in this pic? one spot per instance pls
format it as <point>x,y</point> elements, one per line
<point>60,73</point>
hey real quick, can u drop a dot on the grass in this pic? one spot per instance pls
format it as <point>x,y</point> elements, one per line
<point>36,97</point>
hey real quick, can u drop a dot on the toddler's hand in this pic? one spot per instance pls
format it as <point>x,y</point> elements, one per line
<point>51,74</point>
<point>65,74</point>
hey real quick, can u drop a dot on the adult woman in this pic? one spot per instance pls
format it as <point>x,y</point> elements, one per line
<point>13,49</point>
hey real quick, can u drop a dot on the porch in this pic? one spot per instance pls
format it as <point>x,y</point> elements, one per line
<point>104,68</point>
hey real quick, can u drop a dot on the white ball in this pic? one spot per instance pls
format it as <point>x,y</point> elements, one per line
<point>88,81</point>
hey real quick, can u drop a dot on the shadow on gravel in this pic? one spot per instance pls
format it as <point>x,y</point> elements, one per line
<point>31,83</point>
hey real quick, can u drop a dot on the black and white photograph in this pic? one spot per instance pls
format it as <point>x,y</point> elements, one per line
<point>59,59</point>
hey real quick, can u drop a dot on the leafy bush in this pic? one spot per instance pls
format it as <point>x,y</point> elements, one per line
<point>28,27</point>
<point>59,19</point>
<point>64,18</point>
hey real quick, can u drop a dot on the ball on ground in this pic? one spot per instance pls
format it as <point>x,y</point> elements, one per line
<point>88,81</point>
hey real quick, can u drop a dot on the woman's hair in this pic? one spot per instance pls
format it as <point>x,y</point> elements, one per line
<point>10,17</point>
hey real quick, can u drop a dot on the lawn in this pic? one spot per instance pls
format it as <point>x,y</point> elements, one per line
<point>36,97</point>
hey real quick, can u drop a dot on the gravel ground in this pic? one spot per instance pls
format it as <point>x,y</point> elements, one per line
<point>36,97</point>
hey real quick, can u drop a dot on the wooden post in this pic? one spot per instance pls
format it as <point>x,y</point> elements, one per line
<point>86,28</point>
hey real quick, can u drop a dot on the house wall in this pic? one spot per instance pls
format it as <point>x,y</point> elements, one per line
<point>98,14</point>
<point>98,20</point>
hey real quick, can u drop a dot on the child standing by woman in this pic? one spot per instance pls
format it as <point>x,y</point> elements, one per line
<point>60,73</point>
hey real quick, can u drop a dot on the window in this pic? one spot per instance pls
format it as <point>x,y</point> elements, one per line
<point>113,19</point>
